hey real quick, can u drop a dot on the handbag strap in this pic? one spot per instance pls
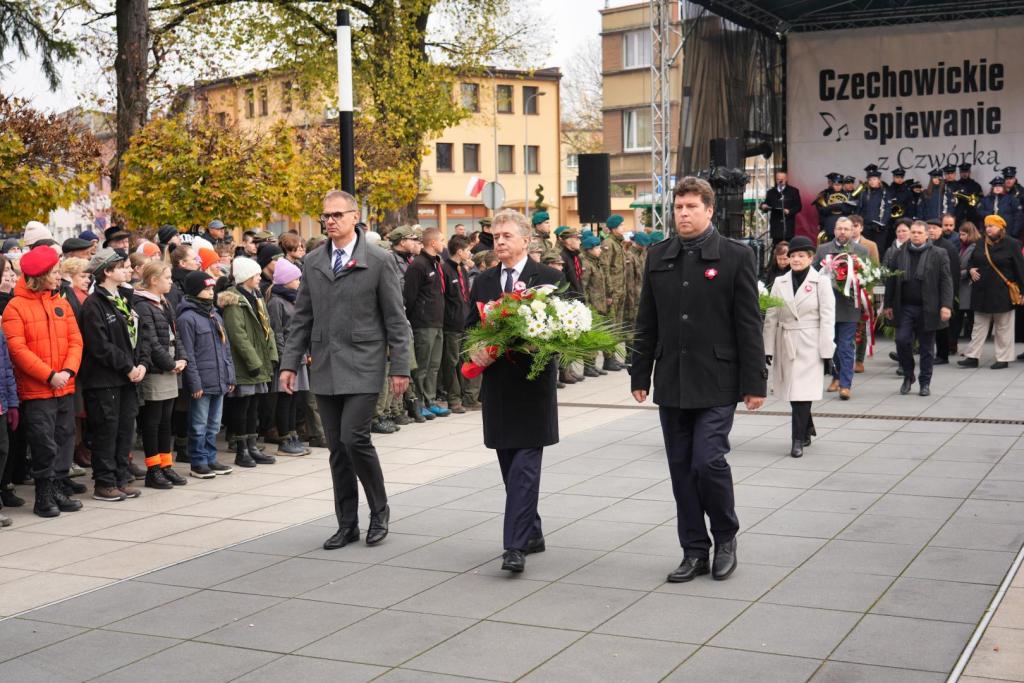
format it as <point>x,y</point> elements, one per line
<point>998,272</point>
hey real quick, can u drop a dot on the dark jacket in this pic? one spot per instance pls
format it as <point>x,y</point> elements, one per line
<point>953,256</point>
<point>571,260</point>
<point>157,319</point>
<point>486,243</point>
<point>1005,206</point>
<point>8,387</point>
<point>781,224</point>
<point>68,292</point>
<point>108,354</point>
<point>177,293</point>
<point>846,308</point>
<point>698,326</point>
<point>456,296</point>
<point>936,284</point>
<point>990,294</point>
<point>517,413</point>
<point>253,349</point>
<point>204,345</point>
<point>423,292</point>
<point>280,311</point>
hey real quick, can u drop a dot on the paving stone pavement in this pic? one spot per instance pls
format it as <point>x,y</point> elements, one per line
<point>870,559</point>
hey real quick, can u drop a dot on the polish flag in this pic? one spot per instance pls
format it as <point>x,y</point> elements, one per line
<point>475,186</point>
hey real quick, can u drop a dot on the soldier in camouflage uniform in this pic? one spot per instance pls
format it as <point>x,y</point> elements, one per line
<point>595,288</point>
<point>613,260</point>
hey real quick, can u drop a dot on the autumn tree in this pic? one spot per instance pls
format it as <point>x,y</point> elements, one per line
<point>46,162</point>
<point>582,98</point>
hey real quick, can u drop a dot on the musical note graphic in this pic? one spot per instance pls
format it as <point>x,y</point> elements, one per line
<point>830,120</point>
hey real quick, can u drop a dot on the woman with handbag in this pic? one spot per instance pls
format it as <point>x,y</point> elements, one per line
<point>996,269</point>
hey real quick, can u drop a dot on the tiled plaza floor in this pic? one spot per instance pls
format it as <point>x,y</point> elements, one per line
<point>870,559</point>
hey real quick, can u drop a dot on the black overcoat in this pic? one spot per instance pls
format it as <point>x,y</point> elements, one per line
<point>990,294</point>
<point>936,285</point>
<point>517,412</point>
<point>699,325</point>
<point>781,224</point>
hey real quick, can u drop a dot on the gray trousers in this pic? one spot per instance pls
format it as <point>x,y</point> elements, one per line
<point>455,387</point>
<point>428,343</point>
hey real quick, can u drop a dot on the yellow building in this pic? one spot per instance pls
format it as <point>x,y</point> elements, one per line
<point>626,80</point>
<point>511,135</point>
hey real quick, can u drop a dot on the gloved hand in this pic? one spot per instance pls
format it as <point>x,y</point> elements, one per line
<point>768,360</point>
<point>829,366</point>
<point>13,418</point>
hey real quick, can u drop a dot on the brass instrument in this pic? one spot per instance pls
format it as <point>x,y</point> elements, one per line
<point>837,198</point>
<point>971,199</point>
<point>860,188</point>
<point>897,211</point>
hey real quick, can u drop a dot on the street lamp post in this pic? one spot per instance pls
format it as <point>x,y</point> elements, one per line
<point>526,151</point>
<point>347,147</point>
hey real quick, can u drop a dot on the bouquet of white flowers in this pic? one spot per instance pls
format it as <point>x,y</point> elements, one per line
<point>539,323</point>
<point>766,300</point>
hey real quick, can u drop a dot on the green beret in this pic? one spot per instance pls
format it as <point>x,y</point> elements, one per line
<point>590,241</point>
<point>540,217</point>
<point>641,239</point>
<point>657,236</point>
<point>614,221</point>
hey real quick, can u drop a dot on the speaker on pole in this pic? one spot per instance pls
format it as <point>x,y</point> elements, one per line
<point>593,188</point>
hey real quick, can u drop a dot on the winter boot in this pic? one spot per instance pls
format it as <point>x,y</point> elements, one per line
<point>259,457</point>
<point>45,505</point>
<point>63,501</point>
<point>290,446</point>
<point>155,478</point>
<point>242,456</point>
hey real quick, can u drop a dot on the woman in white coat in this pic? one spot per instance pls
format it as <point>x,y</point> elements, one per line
<point>798,337</point>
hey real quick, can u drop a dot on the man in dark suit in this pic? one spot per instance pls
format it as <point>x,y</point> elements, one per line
<point>782,203</point>
<point>698,328</point>
<point>350,317</point>
<point>520,416</point>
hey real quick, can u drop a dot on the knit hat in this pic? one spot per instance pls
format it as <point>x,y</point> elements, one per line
<point>200,243</point>
<point>166,233</point>
<point>267,253</point>
<point>614,221</point>
<point>285,272</point>
<point>36,232</point>
<point>207,257</point>
<point>9,243</point>
<point>540,217</point>
<point>88,235</point>
<point>244,268</point>
<point>197,281</point>
<point>104,258</point>
<point>992,219</point>
<point>38,261</point>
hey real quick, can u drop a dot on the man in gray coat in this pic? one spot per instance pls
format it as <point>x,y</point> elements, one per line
<point>847,312</point>
<point>350,318</point>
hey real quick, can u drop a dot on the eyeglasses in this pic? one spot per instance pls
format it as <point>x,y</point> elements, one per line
<point>337,215</point>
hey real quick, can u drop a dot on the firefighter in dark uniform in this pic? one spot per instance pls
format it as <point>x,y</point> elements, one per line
<point>874,204</point>
<point>972,191</point>
<point>938,198</point>
<point>832,205</point>
<point>1013,188</point>
<point>903,198</point>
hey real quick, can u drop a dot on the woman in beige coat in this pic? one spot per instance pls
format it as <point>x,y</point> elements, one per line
<point>798,336</point>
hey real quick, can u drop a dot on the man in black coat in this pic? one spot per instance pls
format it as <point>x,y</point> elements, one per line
<point>424,289</point>
<point>520,416</point>
<point>920,300</point>
<point>572,260</point>
<point>936,230</point>
<point>698,328</point>
<point>782,203</point>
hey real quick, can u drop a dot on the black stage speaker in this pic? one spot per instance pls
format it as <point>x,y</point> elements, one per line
<point>726,152</point>
<point>593,188</point>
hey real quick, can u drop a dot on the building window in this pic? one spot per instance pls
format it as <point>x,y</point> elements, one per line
<point>444,156</point>
<point>530,97</point>
<point>532,164</point>
<point>572,160</point>
<point>222,119</point>
<point>505,159</point>
<point>264,104</point>
<point>636,49</point>
<point>636,130</point>
<point>250,103</point>
<point>504,99</point>
<point>471,158</point>
<point>469,96</point>
<point>286,97</point>
<point>570,186</point>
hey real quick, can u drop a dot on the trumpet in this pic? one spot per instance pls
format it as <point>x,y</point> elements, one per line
<point>971,199</point>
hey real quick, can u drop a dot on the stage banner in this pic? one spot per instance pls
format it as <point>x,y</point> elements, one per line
<point>916,97</point>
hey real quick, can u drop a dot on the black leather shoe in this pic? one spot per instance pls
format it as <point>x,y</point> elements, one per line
<point>925,390</point>
<point>999,365</point>
<point>797,451</point>
<point>689,569</point>
<point>968,363</point>
<point>342,538</point>
<point>905,387</point>
<point>513,561</point>
<point>378,528</point>
<point>534,545</point>
<point>893,356</point>
<point>725,560</point>
<point>940,361</point>
<point>589,371</point>
<point>899,372</point>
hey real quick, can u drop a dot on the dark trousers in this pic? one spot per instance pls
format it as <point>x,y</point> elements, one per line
<point>156,426</point>
<point>696,441</point>
<point>910,326</point>
<point>266,408</point>
<point>346,420</point>
<point>4,447</point>
<point>287,410</point>
<point>454,386</point>
<point>241,413</point>
<point>50,435</point>
<point>17,468</point>
<point>110,415</point>
<point>942,343</point>
<point>802,420</point>
<point>520,470</point>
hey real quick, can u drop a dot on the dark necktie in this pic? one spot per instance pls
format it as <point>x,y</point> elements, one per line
<point>439,271</point>
<point>338,255</point>
<point>462,284</point>
<point>509,281</point>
